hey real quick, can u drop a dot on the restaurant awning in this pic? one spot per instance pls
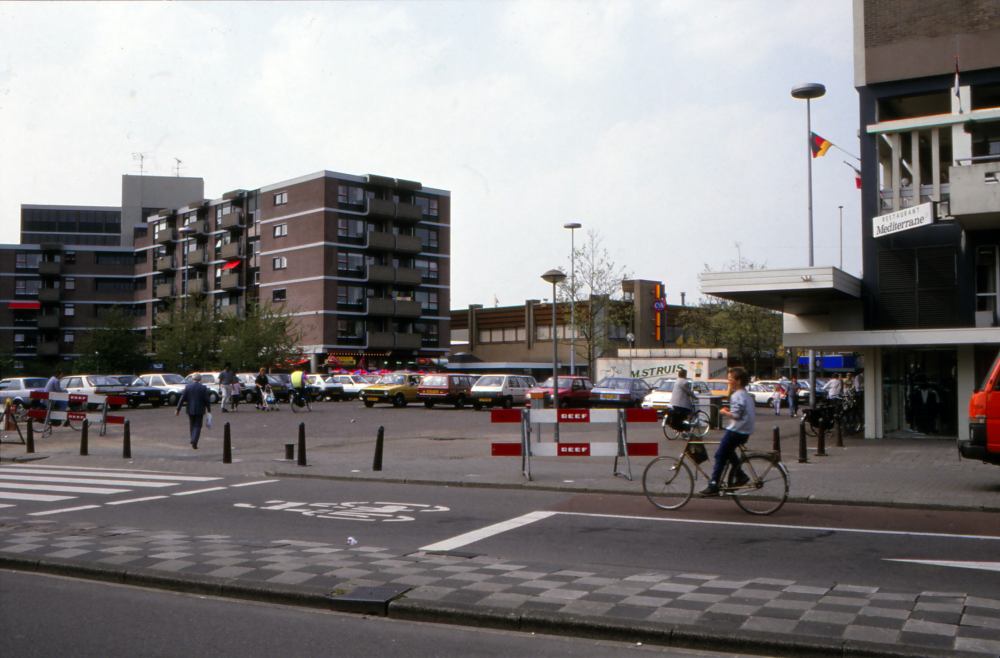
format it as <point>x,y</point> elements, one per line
<point>231,264</point>
<point>25,306</point>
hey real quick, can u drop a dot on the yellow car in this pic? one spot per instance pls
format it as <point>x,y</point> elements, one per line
<point>396,388</point>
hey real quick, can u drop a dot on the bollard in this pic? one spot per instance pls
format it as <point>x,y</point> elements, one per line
<point>227,446</point>
<point>377,462</point>
<point>83,438</point>
<point>127,441</point>
<point>803,453</point>
<point>837,433</point>
<point>289,451</point>
<point>821,441</point>
<point>302,444</point>
<point>776,443</point>
<point>30,439</point>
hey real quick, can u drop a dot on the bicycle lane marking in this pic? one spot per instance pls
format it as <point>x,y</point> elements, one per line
<point>148,498</point>
<point>488,531</point>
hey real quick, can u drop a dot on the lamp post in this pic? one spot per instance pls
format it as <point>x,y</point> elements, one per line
<point>809,91</point>
<point>630,338</point>
<point>554,277</point>
<point>572,226</point>
<point>841,236</point>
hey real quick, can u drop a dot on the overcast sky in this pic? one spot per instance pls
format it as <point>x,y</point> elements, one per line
<point>666,126</point>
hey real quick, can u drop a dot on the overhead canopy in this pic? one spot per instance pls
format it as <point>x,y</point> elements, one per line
<point>27,306</point>
<point>231,264</point>
<point>803,291</point>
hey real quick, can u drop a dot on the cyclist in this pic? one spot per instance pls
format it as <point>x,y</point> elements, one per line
<point>299,387</point>
<point>742,413</point>
<point>681,400</point>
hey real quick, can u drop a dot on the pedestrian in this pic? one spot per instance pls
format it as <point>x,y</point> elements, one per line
<point>199,402</point>
<point>834,387</point>
<point>779,393</point>
<point>793,396</point>
<point>859,381</point>
<point>53,386</point>
<point>681,400</point>
<point>226,379</point>
<point>261,384</point>
<point>742,413</point>
<point>236,393</point>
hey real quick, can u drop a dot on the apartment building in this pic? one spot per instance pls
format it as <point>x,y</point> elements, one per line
<point>924,313</point>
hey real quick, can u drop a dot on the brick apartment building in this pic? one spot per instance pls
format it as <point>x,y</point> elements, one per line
<point>362,262</point>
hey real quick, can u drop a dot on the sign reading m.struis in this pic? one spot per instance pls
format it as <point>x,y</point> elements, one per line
<point>903,220</point>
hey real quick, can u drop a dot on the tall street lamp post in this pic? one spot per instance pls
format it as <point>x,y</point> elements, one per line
<point>554,277</point>
<point>841,236</point>
<point>809,91</point>
<point>572,226</point>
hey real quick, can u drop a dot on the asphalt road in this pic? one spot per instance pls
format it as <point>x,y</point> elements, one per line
<point>48,616</point>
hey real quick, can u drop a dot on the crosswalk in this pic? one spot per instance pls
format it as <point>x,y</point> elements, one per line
<point>28,483</point>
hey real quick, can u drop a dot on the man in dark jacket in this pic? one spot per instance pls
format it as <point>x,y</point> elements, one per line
<point>199,402</point>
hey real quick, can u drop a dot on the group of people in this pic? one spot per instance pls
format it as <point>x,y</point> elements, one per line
<point>835,389</point>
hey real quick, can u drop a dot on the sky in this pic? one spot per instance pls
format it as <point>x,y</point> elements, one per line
<point>667,128</point>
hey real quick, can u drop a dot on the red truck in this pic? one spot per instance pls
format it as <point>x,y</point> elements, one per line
<point>984,421</point>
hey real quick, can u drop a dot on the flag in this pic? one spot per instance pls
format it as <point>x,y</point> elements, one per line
<point>819,145</point>
<point>857,174</point>
<point>496,302</point>
<point>957,94</point>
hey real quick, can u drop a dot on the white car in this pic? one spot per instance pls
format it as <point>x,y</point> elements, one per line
<point>659,399</point>
<point>353,383</point>
<point>762,392</point>
<point>501,391</point>
<point>326,389</point>
<point>211,380</point>
<point>172,385</point>
<point>93,385</point>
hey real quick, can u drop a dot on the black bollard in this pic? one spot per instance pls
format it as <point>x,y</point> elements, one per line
<point>83,438</point>
<point>803,453</point>
<point>302,444</point>
<point>821,441</point>
<point>377,462</point>
<point>289,451</point>
<point>127,441</point>
<point>776,443</point>
<point>227,446</point>
<point>838,433</point>
<point>30,439</point>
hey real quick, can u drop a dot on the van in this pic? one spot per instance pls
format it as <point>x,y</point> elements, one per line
<point>445,389</point>
<point>501,391</point>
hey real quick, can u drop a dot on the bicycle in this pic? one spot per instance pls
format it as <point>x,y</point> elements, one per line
<point>697,425</point>
<point>43,426</point>
<point>669,484</point>
<point>300,399</point>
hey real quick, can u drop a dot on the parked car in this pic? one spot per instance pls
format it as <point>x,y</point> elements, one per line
<point>619,392</point>
<point>211,381</point>
<point>396,388</point>
<point>663,390</point>
<point>501,391</point>
<point>172,385</point>
<point>720,388</point>
<point>93,385</point>
<point>248,387</point>
<point>762,392</point>
<point>325,389</point>
<point>138,393</point>
<point>353,383</point>
<point>19,389</point>
<point>448,388</point>
<point>574,391</point>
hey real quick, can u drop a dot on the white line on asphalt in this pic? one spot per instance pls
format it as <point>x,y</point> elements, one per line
<point>488,531</point>
<point>60,488</point>
<point>783,527</point>
<point>189,493</point>
<point>90,472</point>
<point>4,477</point>
<point>59,511</point>
<point>135,500</point>
<point>250,484</point>
<point>984,566</point>
<point>42,498</point>
<point>3,505</point>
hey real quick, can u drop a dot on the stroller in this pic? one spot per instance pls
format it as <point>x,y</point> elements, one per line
<point>268,401</point>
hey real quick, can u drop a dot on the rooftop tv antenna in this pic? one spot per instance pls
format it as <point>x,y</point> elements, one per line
<point>141,157</point>
<point>177,168</point>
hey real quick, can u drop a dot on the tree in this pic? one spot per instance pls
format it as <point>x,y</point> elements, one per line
<point>267,336</point>
<point>187,334</point>
<point>114,346</point>
<point>600,309</point>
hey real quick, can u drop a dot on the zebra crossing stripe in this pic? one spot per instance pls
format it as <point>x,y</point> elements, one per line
<point>60,511</point>
<point>4,477</point>
<point>40,498</point>
<point>110,473</point>
<point>134,500</point>
<point>61,488</point>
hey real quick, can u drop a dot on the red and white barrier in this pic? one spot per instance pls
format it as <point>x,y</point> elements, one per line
<point>101,418</point>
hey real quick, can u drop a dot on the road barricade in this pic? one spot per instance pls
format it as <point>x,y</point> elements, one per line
<point>621,448</point>
<point>100,417</point>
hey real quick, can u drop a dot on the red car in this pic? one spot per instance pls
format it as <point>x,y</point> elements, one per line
<point>574,391</point>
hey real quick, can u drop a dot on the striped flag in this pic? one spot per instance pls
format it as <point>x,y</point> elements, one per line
<point>819,145</point>
<point>857,174</point>
<point>957,93</point>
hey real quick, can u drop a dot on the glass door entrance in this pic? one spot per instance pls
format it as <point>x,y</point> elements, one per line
<point>920,392</point>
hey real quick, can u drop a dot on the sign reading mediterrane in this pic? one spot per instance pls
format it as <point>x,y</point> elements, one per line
<point>903,220</point>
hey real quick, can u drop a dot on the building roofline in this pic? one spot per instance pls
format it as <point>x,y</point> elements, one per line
<point>31,206</point>
<point>335,174</point>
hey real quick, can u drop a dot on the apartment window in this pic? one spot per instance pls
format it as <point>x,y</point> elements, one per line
<point>68,337</point>
<point>280,230</point>
<point>224,209</point>
<point>428,300</point>
<point>280,262</point>
<point>69,309</point>
<point>256,278</point>
<point>347,262</point>
<point>350,228</point>
<point>353,295</point>
<point>484,336</point>
<point>278,295</point>
<point>114,259</point>
<point>986,279</point>
<point>70,283</point>
<point>428,237</point>
<point>342,194</point>
<point>27,286</point>
<point>434,207</point>
<point>18,338</point>
<point>24,260</point>
<point>281,198</point>
<point>70,258</point>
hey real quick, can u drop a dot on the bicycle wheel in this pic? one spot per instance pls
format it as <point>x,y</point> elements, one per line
<point>669,432</point>
<point>309,403</point>
<point>294,403</point>
<point>667,482</point>
<point>768,487</point>
<point>699,424</point>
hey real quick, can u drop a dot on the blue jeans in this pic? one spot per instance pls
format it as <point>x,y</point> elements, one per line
<point>727,452</point>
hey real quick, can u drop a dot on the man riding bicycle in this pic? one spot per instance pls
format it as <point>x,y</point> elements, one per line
<point>742,413</point>
<point>681,400</point>
<point>299,388</point>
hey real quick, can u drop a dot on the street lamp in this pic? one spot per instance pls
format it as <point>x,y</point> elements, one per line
<point>554,277</point>
<point>572,226</point>
<point>630,338</point>
<point>841,236</point>
<point>809,91</point>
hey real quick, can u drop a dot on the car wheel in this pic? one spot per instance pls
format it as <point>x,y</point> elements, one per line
<point>429,404</point>
<point>156,405</point>
<point>563,403</point>
<point>477,406</point>
<point>399,401</point>
<point>133,404</point>
<point>460,402</point>
<point>213,398</point>
<point>369,404</point>
<point>508,403</point>
<point>172,399</point>
<point>115,407</point>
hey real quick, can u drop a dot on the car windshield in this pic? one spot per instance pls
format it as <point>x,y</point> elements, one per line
<point>718,386</point>
<point>128,380</point>
<point>274,380</point>
<point>666,386</point>
<point>490,380</point>
<point>392,380</point>
<point>619,383</point>
<point>98,380</point>
<point>34,383</point>
<point>435,380</point>
<point>173,379</point>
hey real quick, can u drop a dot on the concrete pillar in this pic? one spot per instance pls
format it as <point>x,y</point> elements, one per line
<point>966,387</point>
<point>873,393</point>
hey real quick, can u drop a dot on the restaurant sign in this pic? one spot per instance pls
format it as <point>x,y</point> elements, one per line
<point>903,220</point>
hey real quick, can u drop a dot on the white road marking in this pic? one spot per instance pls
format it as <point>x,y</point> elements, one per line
<point>42,498</point>
<point>2,505</point>
<point>60,488</point>
<point>60,511</point>
<point>250,484</point>
<point>488,531</point>
<point>111,473</point>
<point>984,566</point>
<point>134,500</point>
<point>4,477</point>
<point>190,493</point>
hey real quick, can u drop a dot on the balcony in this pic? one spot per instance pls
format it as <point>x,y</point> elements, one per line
<point>381,208</point>
<point>381,274</point>
<point>234,310</point>
<point>49,348</point>
<point>48,295</point>
<point>233,222</point>
<point>198,258</point>
<point>198,228</point>
<point>48,321</point>
<point>409,212</point>
<point>975,198</point>
<point>381,306</point>
<point>381,340</point>
<point>381,241</point>
<point>231,251</point>
<point>195,286</point>
<point>50,246</point>
<point>408,309</point>
<point>165,236</point>
<point>164,263</point>
<point>230,281</point>
<point>409,244</point>
<point>164,290</point>
<point>409,276</point>
<point>49,268</point>
<point>409,341</point>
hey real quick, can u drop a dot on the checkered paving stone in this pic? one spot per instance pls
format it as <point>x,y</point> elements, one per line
<point>947,620</point>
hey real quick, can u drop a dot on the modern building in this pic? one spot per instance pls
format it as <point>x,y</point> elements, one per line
<point>924,313</point>
<point>362,262</point>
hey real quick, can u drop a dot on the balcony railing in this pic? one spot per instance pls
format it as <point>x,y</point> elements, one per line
<point>48,348</point>
<point>230,281</point>
<point>408,309</point>
<point>232,310</point>
<point>48,321</point>
<point>49,268</point>
<point>380,340</point>
<point>48,295</point>
<point>381,306</point>
<point>409,341</point>
<point>409,275</point>
<point>408,244</point>
<point>165,235</point>
<point>233,222</point>
<point>163,264</point>
<point>198,258</point>
<point>50,246</point>
<point>976,202</point>
<point>381,241</point>
<point>231,251</point>
<point>381,274</point>
<point>164,290</point>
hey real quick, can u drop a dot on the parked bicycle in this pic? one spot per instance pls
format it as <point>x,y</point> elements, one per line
<point>849,409</point>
